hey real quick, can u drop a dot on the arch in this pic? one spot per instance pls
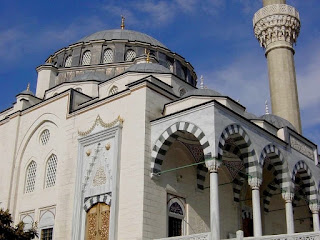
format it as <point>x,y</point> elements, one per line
<point>86,58</point>
<point>91,201</point>
<point>108,55</point>
<point>165,140</point>
<point>269,192</point>
<point>279,164</point>
<point>113,90</point>
<point>308,182</point>
<point>51,171</point>
<point>31,174</point>
<point>68,61</point>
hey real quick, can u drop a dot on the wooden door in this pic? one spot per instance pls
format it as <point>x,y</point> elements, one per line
<point>97,223</point>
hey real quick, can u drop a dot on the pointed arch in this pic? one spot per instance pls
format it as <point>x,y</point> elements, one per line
<point>166,139</point>
<point>31,174</point>
<point>51,171</point>
<point>269,192</point>
<point>90,202</point>
<point>307,180</point>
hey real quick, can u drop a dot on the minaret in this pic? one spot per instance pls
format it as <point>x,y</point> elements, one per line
<point>277,26</point>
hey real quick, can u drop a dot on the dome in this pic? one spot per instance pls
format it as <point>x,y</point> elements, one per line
<point>249,115</point>
<point>277,121</point>
<point>203,92</point>
<point>122,34</point>
<point>89,76</point>
<point>148,68</point>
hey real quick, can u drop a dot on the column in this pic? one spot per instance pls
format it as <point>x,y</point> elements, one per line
<point>255,183</point>
<point>213,166</point>
<point>314,207</point>
<point>288,197</point>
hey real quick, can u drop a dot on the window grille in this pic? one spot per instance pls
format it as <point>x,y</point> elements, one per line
<point>130,55</point>
<point>86,58</point>
<point>46,234</point>
<point>44,137</point>
<point>51,171</point>
<point>113,90</point>
<point>31,177</point>
<point>68,61</point>
<point>108,56</point>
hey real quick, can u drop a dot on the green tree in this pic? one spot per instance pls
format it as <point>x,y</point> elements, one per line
<point>9,232</point>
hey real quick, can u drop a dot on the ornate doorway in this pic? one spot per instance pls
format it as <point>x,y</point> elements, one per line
<point>97,222</point>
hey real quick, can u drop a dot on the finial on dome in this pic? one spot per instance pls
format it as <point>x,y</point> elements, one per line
<point>28,87</point>
<point>122,22</point>
<point>201,82</point>
<point>147,52</point>
<point>49,59</point>
<point>267,107</point>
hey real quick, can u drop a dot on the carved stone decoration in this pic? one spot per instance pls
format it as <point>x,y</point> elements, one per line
<point>92,221</point>
<point>254,182</point>
<point>104,231</point>
<point>277,22</point>
<point>100,178</point>
<point>301,147</point>
<point>234,167</point>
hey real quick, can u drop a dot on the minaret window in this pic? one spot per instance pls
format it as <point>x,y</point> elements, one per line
<point>86,58</point>
<point>108,56</point>
<point>130,55</point>
<point>113,90</point>
<point>31,177</point>
<point>51,171</point>
<point>68,61</point>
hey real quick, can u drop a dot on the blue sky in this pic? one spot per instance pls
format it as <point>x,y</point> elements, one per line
<point>216,36</point>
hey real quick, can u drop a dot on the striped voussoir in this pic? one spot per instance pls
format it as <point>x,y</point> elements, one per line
<point>245,152</point>
<point>166,139</point>
<point>91,201</point>
<point>308,185</point>
<point>278,163</point>
<point>269,192</point>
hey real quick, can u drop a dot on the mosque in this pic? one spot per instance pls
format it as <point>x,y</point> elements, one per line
<point>119,143</point>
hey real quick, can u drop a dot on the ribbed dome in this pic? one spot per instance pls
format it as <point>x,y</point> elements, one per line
<point>89,76</point>
<point>119,34</point>
<point>148,68</point>
<point>277,121</point>
<point>203,92</point>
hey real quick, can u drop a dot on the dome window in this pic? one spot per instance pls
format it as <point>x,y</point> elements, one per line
<point>108,56</point>
<point>68,61</point>
<point>130,55</point>
<point>182,92</point>
<point>169,65</point>
<point>113,90</point>
<point>86,58</point>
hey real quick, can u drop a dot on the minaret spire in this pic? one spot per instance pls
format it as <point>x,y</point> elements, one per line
<point>122,22</point>
<point>277,27</point>
<point>201,82</point>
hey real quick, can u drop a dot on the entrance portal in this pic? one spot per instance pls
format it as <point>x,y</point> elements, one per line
<point>97,222</point>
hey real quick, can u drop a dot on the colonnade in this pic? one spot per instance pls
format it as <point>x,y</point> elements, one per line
<point>255,183</point>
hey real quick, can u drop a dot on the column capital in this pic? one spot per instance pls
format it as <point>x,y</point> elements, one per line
<point>288,197</point>
<point>254,182</point>
<point>314,207</point>
<point>213,164</point>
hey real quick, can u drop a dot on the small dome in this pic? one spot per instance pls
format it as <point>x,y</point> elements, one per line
<point>87,76</point>
<point>27,92</point>
<point>122,34</point>
<point>249,115</point>
<point>203,92</point>
<point>277,121</point>
<point>148,68</point>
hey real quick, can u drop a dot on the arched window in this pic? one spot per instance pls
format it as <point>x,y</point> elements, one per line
<point>68,61</point>
<point>113,90</point>
<point>45,136</point>
<point>182,92</point>
<point>51,171</point>
<point>31,177</point>
<point>78,89</point>
<point>130,55</point>
<point>86,58</point>
<point>108,56</point>
<point>169,65</point>
<point>176,215</point>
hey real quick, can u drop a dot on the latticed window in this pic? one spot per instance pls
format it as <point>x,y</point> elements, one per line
<point>44,137</point>
<point>31,177</point>
<point>113,90</point>
<point>51,171</point>
<point>68,61</point>
<point>46,234</point>
<point>130,55</point>
<point>86,58</point>
<point>108,56</point>
<point>169,65</point>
